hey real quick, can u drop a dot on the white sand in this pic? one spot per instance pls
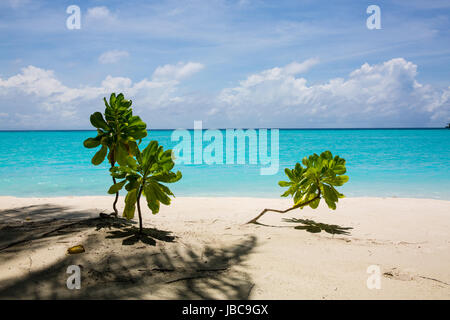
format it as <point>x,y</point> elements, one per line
<point>215,255</point>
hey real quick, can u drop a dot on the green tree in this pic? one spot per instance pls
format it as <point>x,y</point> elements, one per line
<point>118,133</point>
<point>317,180</point>
<point>146,177</point>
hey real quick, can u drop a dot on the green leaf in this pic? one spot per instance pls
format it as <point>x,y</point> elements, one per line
<point>150,196</point>
<point>131,163</point>
<point>340,180</point>
<point>91,142</point>
<point>130,204</point>
<point>284,183</point>
<point>98,121</point>
<point>125,104</point>
<point>329,193</point>
<point>314,204</point>
<point>326,155</point>
<point>116,187</point>
<point>112,100</point>
<point>331,204</point>
<point>289,174</point>
<point>298,195</point>
<point>305,162</point>
<point>339,169</point>
<point>99,156</point>
<point>168,177</point>
<point>121,154</point>
<point>160,195</point>
<point>149,153</point>
<point>133,147</point>
<point>288,192</point>
<point>165,189</point>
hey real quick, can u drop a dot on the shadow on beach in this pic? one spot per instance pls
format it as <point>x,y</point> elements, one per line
<point>119,265</point>
<point>38,223</point>
<point>316,227</point>
<point>148,236</point>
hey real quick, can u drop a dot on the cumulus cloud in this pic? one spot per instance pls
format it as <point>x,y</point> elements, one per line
<point>178,71</point>
<point>40,100</point>
<point>276,73</point>
<point>98,13</point>
<point>112,56</point>
<point>386,94</point>
<point>43,84</point>
<point>101,18</point>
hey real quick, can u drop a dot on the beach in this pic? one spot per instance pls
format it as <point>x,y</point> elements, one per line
<point>202,248</point>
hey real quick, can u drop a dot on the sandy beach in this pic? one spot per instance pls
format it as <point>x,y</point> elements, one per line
<point>201,248</point>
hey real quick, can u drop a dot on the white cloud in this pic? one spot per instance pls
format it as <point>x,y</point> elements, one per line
<point>275,74</point>
<point>98,13</point>
<point>380,95</point>
<point>297,68</point>
<point>178,71</point>
<point>34,80</point>
<point>40,100</point>
<point>386,94</point>
<point>112,56</point>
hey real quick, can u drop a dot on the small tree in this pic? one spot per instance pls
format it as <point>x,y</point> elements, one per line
<point>309,184</point>
<point>146,177</point>
<point>117,133</point>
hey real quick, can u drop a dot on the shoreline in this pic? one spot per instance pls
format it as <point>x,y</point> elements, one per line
<point>200,248</point>
<point>217,197</point>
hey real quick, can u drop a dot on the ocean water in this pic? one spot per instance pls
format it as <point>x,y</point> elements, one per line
<point>380,162</point>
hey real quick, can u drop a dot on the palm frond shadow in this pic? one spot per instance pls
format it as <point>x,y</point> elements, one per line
<point>317,227</point>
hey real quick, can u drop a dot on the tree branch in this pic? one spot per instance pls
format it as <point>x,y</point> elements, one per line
<point>254,220</point>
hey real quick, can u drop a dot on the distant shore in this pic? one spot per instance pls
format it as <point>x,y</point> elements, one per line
<point>201,248</point>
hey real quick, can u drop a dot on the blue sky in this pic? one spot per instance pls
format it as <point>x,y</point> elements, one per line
<point>239,63</point>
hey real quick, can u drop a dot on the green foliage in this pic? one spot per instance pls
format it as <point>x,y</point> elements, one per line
<point>146,177</point>
<point>117,131</point>
<point>316,180</point>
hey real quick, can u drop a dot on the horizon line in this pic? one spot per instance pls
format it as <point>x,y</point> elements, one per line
<point>203,129</point>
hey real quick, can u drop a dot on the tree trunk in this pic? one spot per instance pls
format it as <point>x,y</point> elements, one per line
<point>116,213</point>
<point>139,210</point>
<point>255,220</point>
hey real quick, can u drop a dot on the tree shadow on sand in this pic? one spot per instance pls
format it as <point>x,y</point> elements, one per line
<point>149,272</point>
<point>40,222</point>
<point>39,212</point>
<point>148,236</point>
<point>162,269</point>
<point>317,227</point>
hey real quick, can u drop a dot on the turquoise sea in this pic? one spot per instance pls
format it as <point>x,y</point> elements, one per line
<point>380,162</point>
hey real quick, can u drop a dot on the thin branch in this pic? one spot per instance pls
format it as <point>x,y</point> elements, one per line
<point>254,220</point>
